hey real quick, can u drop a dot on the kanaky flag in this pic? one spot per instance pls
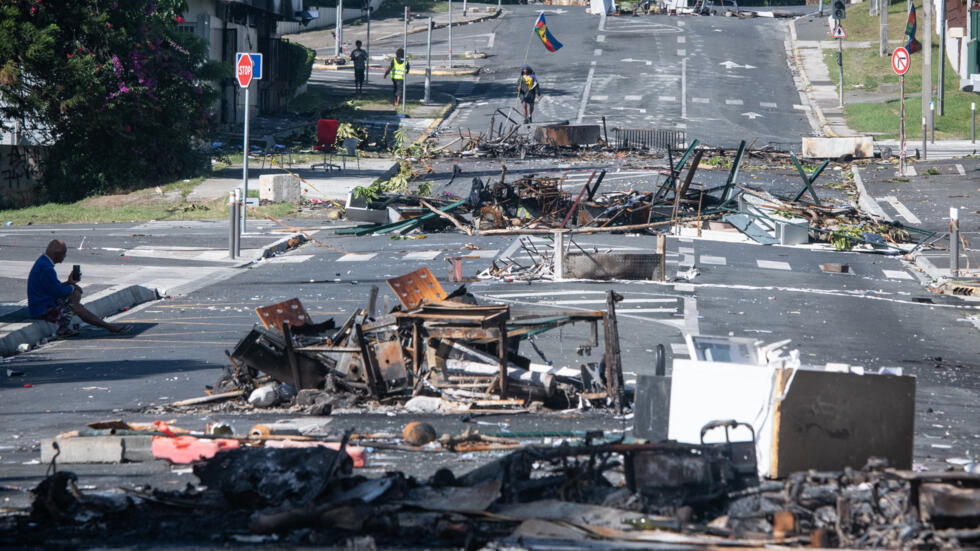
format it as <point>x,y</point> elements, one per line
<point>912,45</point>
<point>549,41</point>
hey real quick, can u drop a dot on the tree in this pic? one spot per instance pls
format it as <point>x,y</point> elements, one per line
<point>119,94</point>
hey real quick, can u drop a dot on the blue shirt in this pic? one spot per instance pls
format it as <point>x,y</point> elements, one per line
<point>43,287</point>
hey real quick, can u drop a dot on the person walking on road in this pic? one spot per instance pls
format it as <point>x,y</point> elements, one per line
<point>528,91</point>
<point>398,69</point>
<point>359,58</point>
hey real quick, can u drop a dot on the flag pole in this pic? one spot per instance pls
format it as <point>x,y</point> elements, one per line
<point>527,49</point>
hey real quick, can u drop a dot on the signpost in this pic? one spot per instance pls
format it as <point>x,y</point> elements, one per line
<point>839,35</point>
<point>248,67</point>
<point>901,61</point>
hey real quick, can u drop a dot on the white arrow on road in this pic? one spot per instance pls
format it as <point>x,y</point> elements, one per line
<point>732,65</point>
<point>641,110</point>
<point>631,60</point>
<point>752,116</point>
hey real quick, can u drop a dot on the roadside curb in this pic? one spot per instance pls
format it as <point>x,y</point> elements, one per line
<point>463,72</point>
<point>443,25</point>
<point>285,244</point>
<point>807,85</point>
<point>103,304</point>
<point>866,202</point>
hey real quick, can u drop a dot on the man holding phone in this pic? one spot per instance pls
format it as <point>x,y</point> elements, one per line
<point>53,301</point>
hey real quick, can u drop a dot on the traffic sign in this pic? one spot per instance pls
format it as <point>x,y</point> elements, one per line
<point>900,61</point>
<point>255,61</point>
<point>839,32</point>
<point>243,70</point>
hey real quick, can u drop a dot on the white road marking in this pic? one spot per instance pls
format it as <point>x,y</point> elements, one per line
<point>897,274</point>
<point>679,349</point>
<point>768,104</point>
<point>633,98</point>
<point>603,301</point>
<point>716,260</point>
<point>799,107</point>
<point>681,23</point>
<point>960,169</point>
<point>493,36</point>
<point>291,259</point>
<point>645,310</point>
<point>421,255</point>
<point>685,250</point>
<point>681,53</point>
<point>733,102</point>
<point>355,257</point>
<point>483,253</point>
<point>700,100</point>
<point>600,98</point>
<point>909,169</point>
<point>585,93</point>
<point>681,39</point>
<point>902,210</point>
<point>773,265</point>
<point>597,52</point>
<point>684,88</point>
<point>600,38</point>
<point>667,98</point>
<point>684,287</point>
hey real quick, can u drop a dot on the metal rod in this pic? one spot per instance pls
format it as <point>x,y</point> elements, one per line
<point>942,55</point>
<point>405,49</point>
<point>924,140</point>
<point>231,224</point>
<point>450,26</point>
<point>245,156</point>
<point>428,59</point>
<point>954,241</point>
<point>236,207</point>
<point>932,121</point>
<point>901,145</point>
<point>367,68</point>
<point>973,122</point>
<point>840,64</point>
<point>340,25</point>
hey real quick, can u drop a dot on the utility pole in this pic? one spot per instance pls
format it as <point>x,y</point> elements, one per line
<point>340,24</point>
<point>336,30</point>
<point>883,29</point>
<point>450,34</point>
<point>428,59</point>
<point>367,49</point>
<point>926,58</point>
<point>942,56</point>
<point>405,49</point>
<point>821,8</point>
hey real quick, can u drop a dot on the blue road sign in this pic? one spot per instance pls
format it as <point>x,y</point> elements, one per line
<point>256,64</point>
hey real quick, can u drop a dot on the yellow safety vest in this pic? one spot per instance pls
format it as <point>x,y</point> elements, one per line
<point>398,71</point>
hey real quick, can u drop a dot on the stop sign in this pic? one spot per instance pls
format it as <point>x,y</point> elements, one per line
<point>243,70</point>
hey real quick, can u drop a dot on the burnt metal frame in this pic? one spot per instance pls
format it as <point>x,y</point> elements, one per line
<point>807,180</point>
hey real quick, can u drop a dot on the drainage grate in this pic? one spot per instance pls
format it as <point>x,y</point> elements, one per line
<point>648,138</point>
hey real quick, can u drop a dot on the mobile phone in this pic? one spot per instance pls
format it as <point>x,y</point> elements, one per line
<point>76,273</point>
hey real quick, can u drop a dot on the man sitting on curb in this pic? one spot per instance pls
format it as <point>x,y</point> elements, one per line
<point>53,301</point>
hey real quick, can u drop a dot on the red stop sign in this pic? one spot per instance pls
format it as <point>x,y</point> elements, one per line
<point>243,70</point>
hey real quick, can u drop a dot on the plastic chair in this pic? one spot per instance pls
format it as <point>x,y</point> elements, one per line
<point>326,141</point>
<point>348,148</point>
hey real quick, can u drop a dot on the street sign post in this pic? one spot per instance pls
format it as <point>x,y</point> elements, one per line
<point>839,35</point>
<point>901,61</point>
<point>248,67</point>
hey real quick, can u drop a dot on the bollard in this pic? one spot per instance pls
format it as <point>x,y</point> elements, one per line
<point>231,224</point>
<point>954,241</point>
<point>932,121</point>
<point>660,368</point>
<point>238,222</point>
<point>924,140</point>
<point>973,122</point>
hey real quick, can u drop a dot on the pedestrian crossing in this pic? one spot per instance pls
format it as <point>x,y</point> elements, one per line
<point>641,305</point>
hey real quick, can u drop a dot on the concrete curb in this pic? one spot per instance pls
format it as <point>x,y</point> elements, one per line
<point>815,107</point>
<point>102,304</point>
<point>443,25</point>
<point>462,72</point>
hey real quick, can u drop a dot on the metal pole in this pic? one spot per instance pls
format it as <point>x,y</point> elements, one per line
<point>336,31</point>
<point>924,136</point>
<point>973,122</point>
<point>238,222</point>
<point>840,64</point>
<point>428,59</point>
<point>883,29</point>
<point>928,30</point>
<point>245,157</point>
<point>932,121</point>
<point>367,68</point>
<point>231,224</point>
<point>450,34</point>
<point>464,8</point>
<point>405,49</point>
<point>942,55</point>
<point>901,151</point>
<point>340,25</point>
<point>821,8</point>
<point>954,241</point>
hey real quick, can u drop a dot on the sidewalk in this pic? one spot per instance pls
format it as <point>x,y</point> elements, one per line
<point>322,40</point>
<point>810,38</point>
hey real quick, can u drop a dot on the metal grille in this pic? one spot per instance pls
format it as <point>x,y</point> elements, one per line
<point>648,138</point>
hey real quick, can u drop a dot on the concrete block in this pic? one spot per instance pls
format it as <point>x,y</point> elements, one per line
<point>858,147</point>
<point>279,188</point>
<point>98,449</point>
<point>794,231</point>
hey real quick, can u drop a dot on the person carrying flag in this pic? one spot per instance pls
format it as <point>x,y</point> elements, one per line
<point>528,91</point>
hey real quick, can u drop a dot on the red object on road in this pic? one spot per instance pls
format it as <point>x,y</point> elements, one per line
<point>243,70</point>
<point>357,454</point>
<point>188,449</point>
